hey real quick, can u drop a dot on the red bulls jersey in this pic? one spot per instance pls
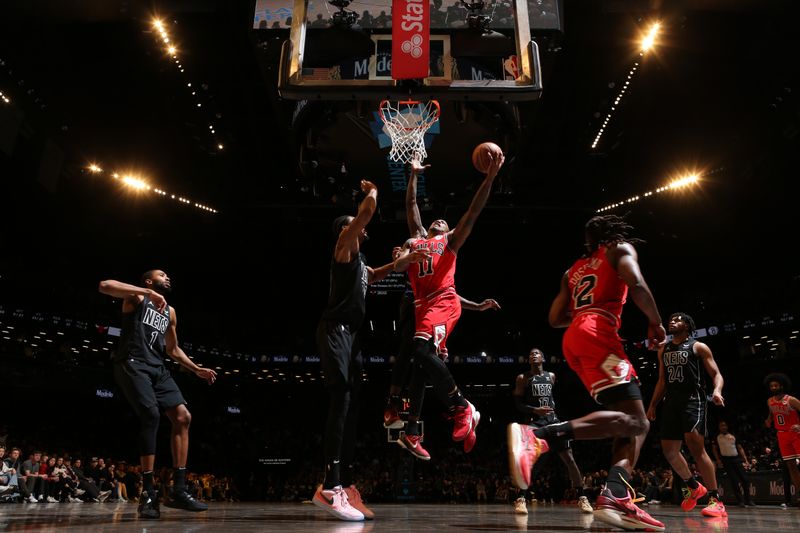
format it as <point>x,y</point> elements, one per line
<point>783,415</point>
<point>596,287</point>
<point>432,275</point>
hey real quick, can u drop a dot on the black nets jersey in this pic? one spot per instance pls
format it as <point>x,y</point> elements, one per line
<point>683,372</point>
<point>144,334</point>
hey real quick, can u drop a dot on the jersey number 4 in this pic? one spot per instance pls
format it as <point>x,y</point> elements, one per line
<point>582,294</point>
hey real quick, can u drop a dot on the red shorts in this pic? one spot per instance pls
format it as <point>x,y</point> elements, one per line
<point>436,317</point>
<point>789,444</point>
<point>594,351</point>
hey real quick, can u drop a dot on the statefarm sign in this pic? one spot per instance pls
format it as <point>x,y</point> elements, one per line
<point>410,39</point>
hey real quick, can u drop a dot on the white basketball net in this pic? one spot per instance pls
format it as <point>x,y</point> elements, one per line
<point>406,123</point>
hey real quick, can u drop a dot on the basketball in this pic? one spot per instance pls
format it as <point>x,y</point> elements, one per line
<point>481,153</point>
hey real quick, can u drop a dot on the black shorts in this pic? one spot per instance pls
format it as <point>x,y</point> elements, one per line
<point>682,414</point>
<point>339,354</point>
<point>556,445</point>
<point>619,393</point>
<point>146,386</point>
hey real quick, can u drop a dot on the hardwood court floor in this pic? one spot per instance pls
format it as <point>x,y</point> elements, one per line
<point>415,518</point>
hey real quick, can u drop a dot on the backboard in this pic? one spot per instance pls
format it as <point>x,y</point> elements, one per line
<point>328,60</point>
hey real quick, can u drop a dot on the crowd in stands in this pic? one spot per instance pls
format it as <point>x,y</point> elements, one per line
<point>45,478</point>
<point>385,472</point>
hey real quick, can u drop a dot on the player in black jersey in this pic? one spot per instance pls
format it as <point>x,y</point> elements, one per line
<point>340,356</point>
<point>533,396</point>
<point>682,363</point>
<point>149,333</point>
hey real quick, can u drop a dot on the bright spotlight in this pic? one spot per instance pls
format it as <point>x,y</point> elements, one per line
<point>649,40</point>
<point>684,182</point>
<point>158,24</point>
<point>172,50</point>
<point>134,183</point>
<point>94,168</point>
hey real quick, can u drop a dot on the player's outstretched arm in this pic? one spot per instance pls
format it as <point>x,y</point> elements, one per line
<point>377,274</point>
<point>347,244</point>
<point>178,355</point>
<point>625,260</point>
<point>469,305</point>
<point>559,310</point>
<point>704,353</point>
<point>413,218</point>
<point>407,257</point>
<point>661,386</point>
<point>131,294</point>
<point>465,225</point>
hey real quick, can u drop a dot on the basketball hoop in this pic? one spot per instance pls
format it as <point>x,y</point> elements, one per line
<point>406,122</point>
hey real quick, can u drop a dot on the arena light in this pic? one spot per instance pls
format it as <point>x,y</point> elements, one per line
<point>140,185</point>
<point>162,34</point>
<point>135,183</point>
<point>4,98</point>
<point>680,183</point>
<point>648,41</point>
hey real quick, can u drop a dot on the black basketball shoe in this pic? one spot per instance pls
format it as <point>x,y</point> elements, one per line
<point>148,505</point>
<point>180,499</point>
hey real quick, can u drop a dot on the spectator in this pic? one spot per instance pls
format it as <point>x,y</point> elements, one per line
<point>8,476</point>
<point>730,455</point>
<point>87,484</point>
<point>14,464</point>
<point>30,474</point>
<point>665,491</point>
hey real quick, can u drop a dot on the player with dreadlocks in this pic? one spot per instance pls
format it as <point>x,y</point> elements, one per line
<point>785,418</point>
<point>589,305</point>
<point>683,417</point>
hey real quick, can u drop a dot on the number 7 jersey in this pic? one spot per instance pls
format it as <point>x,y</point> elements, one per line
<point>436,273</point>
<point>595,287</point>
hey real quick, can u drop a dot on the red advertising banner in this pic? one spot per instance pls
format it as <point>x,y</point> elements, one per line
<point>411,30</point>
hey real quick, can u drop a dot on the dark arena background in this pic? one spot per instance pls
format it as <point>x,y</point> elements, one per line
<point>127,145</point>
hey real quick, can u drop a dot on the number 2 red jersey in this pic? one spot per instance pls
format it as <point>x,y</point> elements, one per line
<point>432,275</point>
<point>596,287</point>
<point>783,415</point>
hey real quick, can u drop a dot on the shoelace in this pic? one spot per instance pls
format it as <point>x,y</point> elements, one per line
<point>631,492</point>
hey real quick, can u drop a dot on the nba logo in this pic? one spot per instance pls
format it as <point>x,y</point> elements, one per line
<point>511,68</point>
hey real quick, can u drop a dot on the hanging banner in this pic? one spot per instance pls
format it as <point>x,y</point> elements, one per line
<point>411,30</point>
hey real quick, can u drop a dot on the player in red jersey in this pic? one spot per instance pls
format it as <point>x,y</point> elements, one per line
<point>589,305</point>
<point>785,418</point>
<point>437,309</point>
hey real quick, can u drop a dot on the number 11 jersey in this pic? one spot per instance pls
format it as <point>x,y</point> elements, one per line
<point>433,275</point>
